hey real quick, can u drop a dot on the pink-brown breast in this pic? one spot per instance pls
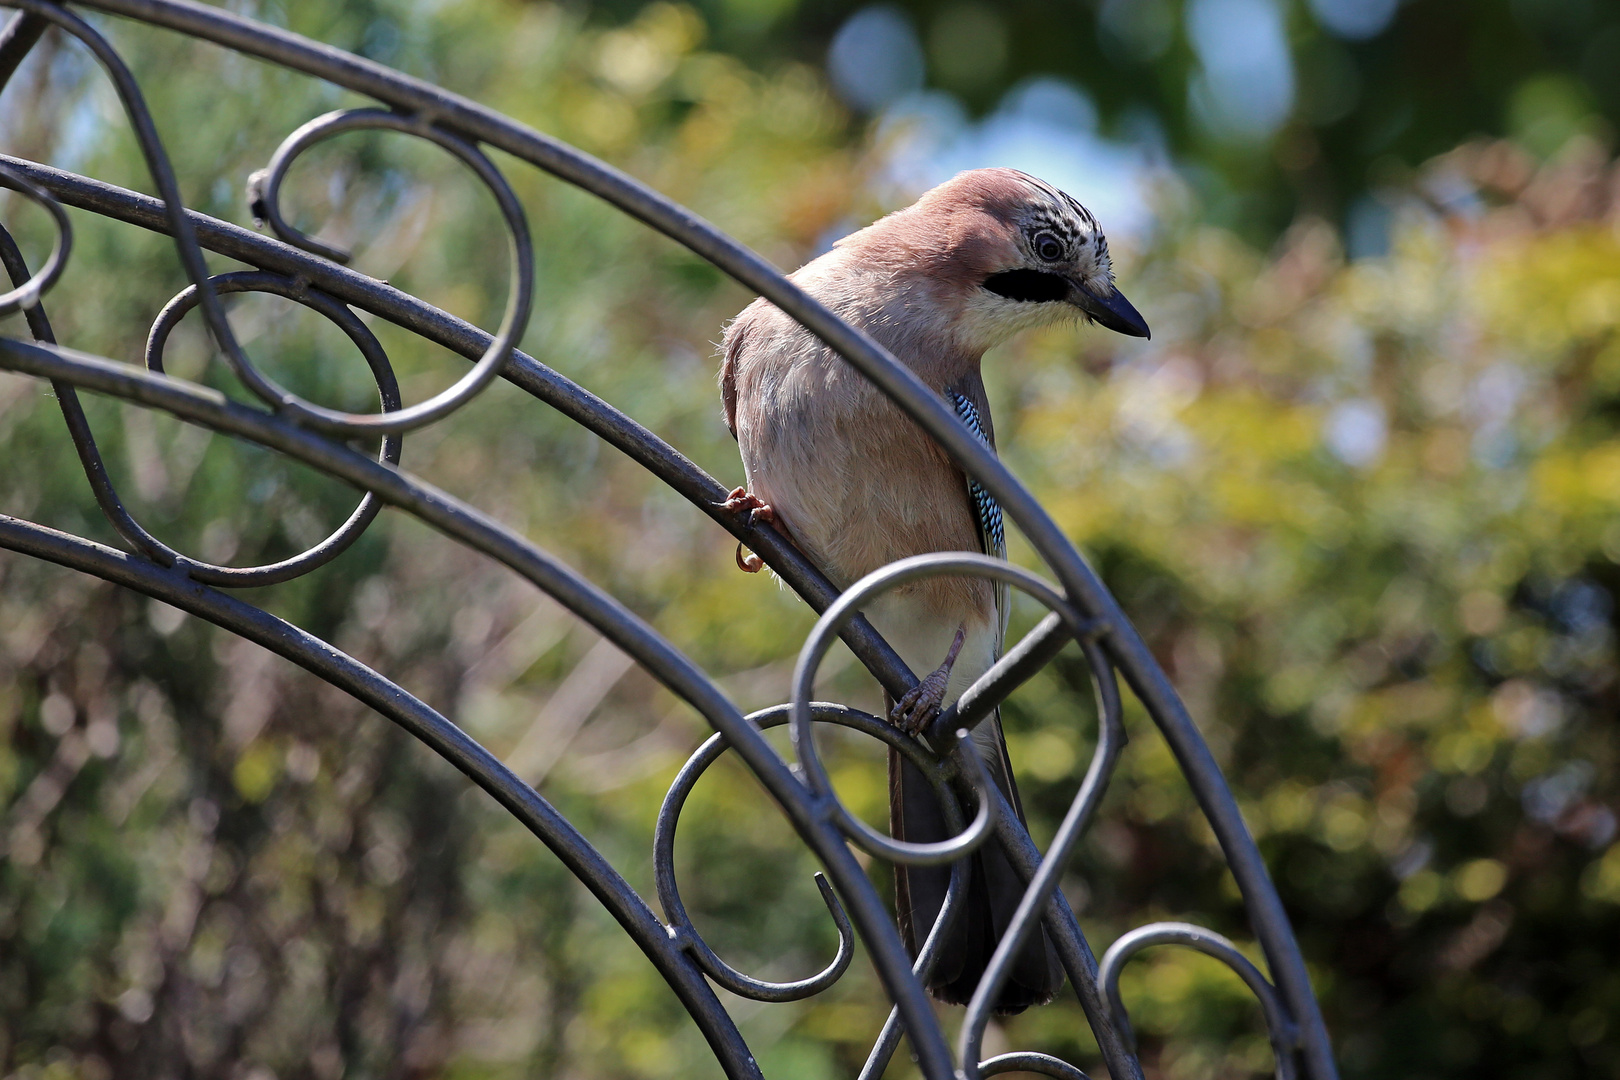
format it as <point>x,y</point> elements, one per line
<point>855,482</point>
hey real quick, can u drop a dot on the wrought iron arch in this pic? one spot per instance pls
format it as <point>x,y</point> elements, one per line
<point>294,266</point>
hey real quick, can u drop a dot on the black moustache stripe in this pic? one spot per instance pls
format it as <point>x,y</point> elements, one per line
<point>1031,285</point>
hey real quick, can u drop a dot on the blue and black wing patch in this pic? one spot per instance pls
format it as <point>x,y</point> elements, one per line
<point>992,534</point>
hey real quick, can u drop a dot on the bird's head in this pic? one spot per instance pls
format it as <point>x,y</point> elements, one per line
<point>1017,253</point>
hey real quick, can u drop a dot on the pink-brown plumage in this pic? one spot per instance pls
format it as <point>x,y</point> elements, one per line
<point>810,426</point>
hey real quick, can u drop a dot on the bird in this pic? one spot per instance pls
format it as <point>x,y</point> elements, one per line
<point>855,484</point>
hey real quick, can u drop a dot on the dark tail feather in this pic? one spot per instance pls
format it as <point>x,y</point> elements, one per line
<point>993,892</point>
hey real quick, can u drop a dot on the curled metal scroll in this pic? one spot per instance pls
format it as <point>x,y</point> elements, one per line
<point>982,699</point>
<point>387,390</point>
<point>265,191</point>
<point>935,771</point>
<point>26,293</point>
<point>669,894</point>
<point>1025,1061</point>
<point>898,573</point>
<point>1110,743</point>
<point>1083,609</point>
<point>1280,1028</point>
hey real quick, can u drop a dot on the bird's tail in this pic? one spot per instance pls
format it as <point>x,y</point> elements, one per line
<point>993,890</point>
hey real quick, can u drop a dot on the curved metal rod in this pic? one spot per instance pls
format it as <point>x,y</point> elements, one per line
<point>382,371</point>
<point>895,574</point>
<point>938,773</point>
<point>27,293</point>
<point>266,188</point>
<point>264,197</point>
<point>1027,1061</point>
<point>888,1040</point>
<point>1280,1027</point>
<point>17,37</point>
<point>365,685</point>
<point>810,817</point>
<point>573,401</point>
<point>1079,963</point>
<point>1037,896</point>
<point>669,895</point>
<point>78,425</point>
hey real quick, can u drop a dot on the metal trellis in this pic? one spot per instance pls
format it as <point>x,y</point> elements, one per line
<point>311,274</point>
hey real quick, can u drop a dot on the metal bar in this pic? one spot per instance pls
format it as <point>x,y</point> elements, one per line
<point>1025,1061</point>
<point>1044,883</point>
<point>17,40</point>
<point>1016,667</point>
<point>1079,962</point>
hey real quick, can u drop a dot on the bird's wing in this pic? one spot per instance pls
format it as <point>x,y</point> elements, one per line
<point>736,334</point>
<point>986,511</point>
<point>993,539</point>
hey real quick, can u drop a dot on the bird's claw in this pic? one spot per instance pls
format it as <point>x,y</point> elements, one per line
<point>922,703</point>
<point>914,712</point>
<point>742,499</point>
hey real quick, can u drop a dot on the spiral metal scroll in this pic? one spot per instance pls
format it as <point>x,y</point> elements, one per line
<point>311,274</point>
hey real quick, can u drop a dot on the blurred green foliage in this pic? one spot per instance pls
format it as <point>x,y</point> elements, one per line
<point>1366,511</point>
<point>1377,85</point>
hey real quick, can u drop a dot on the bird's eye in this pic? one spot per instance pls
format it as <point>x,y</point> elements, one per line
<point>1048,247</point>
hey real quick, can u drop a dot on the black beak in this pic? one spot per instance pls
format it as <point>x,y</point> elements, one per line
<point>1113,311</point>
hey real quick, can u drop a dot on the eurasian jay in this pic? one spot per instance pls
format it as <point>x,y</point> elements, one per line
<point>856,484</point>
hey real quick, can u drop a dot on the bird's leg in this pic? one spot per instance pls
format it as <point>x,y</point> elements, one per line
<point>914,712</point>
<point>743,499</point>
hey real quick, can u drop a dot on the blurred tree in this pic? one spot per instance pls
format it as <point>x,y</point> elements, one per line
<point>1368,513</point>
<point>1273,106</point>
<point>1365,508</point>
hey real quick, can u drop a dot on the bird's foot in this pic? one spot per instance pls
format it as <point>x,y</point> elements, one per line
<point>742,499</point>
<point>914,712</point>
